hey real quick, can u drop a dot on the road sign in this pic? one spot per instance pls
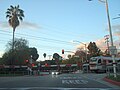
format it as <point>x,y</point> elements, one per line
<point>113,50</point>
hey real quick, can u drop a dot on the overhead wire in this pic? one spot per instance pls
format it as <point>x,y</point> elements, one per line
<point>38,37</point>
<point>58,30</point>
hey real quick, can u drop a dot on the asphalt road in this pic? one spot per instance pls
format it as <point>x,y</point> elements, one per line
<point>57,82</point>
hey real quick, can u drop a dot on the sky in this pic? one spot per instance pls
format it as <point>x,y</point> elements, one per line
<point>51,25</point>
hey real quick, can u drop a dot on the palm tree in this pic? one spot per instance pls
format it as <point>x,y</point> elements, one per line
<point>15,15</point>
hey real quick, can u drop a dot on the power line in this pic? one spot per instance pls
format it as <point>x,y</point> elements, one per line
<point>39,38</point>
<point>42,38</point>
<point>59,30</point>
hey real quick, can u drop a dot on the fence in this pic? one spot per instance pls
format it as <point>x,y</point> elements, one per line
<point>109,70</point>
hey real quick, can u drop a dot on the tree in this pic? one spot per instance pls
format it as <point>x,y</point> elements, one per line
<point>81,55</point>
<point>15,15</point>
<point>93,49</point>
<point>21,52</point>
<point>34,53</point>
<point>72,60</point>
<point>56,57</point>
<point>44,55</point>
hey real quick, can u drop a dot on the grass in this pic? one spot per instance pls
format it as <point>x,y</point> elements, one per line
<point>113,78</point>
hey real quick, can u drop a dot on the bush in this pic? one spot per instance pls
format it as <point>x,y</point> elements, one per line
<point>113,78</point>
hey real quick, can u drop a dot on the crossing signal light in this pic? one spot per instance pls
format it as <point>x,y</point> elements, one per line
<point>46,64</point>
<point>26,61</point>
<point>33,64</point>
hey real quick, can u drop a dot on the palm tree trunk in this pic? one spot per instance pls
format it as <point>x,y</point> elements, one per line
<point>13,38</point>
<point>13,46</point>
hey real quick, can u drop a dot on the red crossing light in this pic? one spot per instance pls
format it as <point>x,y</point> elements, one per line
<point>33,64</point>
<point>26,61</point>
<point>46,64</point>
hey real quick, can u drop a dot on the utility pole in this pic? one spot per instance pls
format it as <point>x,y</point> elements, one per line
<point>112,47</point>
<point>107,42</point>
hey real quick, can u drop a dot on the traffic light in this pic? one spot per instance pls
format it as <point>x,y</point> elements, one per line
<point>33,64</point>
<point>63,51</point>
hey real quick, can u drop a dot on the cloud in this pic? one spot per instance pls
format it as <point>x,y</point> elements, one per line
<point>116,30</point>
<point>116,27</point>
<point>80,46</point>
<point>29,25</point>
<point>101,44</point>
<point>1,53</point>
<point>23,25</point>
<point>4,25</point>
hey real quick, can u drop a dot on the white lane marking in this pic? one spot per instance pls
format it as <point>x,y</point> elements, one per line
<point>70,77</point>
<point>65,82</point>
<point>73,80</point>
<point>76,81</point>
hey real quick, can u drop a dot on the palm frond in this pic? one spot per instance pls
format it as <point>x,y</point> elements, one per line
<point>21,18</point>
<point>17,6</point>
<point>8,16</point>
<point>11,7</point>
<point>15,15</point>
<point>22,15</point>
<point>20,10</point>
<point>8,12</point>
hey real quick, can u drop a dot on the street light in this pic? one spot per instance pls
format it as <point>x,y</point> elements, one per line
<point>110,32</point>
<point>85,47</point>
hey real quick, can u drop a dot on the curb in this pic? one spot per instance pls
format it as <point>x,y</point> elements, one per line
<point>111,81</point>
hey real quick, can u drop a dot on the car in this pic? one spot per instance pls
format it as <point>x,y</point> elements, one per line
<point>55,73</point>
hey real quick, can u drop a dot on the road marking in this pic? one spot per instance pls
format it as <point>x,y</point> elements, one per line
<point>70,77</point>
<point>76,81</point>
<point>73,80</point>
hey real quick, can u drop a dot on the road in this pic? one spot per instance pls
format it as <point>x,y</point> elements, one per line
<point>77,81</point>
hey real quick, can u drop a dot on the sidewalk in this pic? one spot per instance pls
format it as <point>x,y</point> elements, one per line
<point>99,78</point>
<point>111,81</point>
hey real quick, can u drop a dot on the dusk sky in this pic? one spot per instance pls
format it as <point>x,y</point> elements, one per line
<point>51,25</point>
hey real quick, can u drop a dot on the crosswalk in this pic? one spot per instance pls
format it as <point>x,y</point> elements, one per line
<point>73,80</point>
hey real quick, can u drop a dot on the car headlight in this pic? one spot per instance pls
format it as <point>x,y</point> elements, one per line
<point>53,73</point>
<point>56,73</point>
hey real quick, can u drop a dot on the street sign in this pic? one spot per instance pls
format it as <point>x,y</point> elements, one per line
<point>113,50</point>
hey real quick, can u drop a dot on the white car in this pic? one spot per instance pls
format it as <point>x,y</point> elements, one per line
<point>55,73</point>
